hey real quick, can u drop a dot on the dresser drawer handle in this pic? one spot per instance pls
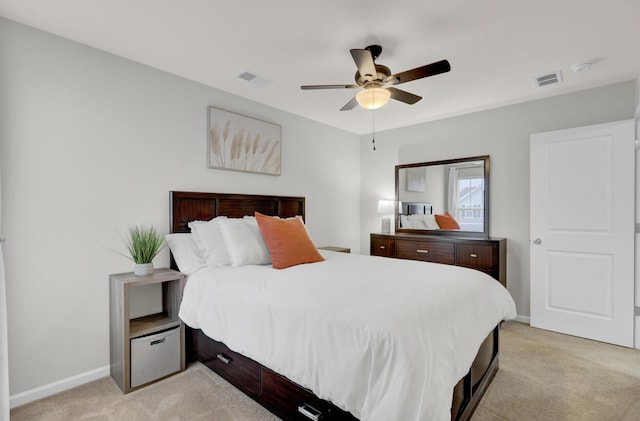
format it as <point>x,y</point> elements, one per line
<point>473,255</point>
<point>383,247</point>
<point>310,412</point>
<point>223,358</point>
<point>422,251</point>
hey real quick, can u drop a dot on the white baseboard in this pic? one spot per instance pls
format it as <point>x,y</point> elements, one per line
<point>57,387</point>
<point>523,319</point>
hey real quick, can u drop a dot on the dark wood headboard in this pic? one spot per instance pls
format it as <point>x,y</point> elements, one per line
<point>409,208</point>
<point>190,206</point>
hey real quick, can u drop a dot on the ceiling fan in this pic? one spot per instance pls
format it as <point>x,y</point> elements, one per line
<point>377,79</point>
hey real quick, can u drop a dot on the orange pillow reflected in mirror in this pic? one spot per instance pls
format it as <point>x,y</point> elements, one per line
<point>446,222</point>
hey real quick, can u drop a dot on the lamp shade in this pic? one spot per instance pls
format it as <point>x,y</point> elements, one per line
<point>385,206</point>
<point>373,98</point>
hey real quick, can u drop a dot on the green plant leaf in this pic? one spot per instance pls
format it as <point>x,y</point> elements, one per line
<point>143,244</point>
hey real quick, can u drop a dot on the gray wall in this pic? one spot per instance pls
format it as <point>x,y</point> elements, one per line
<point>91,143</point>
<point>503,133</point>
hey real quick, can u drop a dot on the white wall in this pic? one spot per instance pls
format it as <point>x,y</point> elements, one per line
<point>502,133</point>
<point>92,143</point>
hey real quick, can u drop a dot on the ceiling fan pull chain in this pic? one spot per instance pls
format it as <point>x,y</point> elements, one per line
<point>373,131</point>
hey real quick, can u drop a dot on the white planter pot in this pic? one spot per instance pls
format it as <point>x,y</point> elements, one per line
<point>143,269</point>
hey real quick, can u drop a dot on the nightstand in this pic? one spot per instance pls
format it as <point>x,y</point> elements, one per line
<point>338,249</point>
<point>148,348</point>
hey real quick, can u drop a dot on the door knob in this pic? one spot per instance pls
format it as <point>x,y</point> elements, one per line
<point>537,241</point>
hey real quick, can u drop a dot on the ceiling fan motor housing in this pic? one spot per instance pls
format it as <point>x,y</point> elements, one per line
<point>375,51</point>
<point>382,73</point>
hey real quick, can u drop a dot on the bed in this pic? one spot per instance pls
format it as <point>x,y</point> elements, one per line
<point>303,363</point>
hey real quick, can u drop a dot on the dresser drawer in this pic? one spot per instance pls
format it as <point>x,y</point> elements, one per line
<point>475,256</point>
<point>383,247</point>
<point>427,251</point>
<point>238,369</point>
<point>488,255</point>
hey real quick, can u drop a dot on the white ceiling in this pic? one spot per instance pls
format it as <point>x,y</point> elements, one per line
<point>495,47</point>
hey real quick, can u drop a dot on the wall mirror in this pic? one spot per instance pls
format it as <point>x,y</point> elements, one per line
<point>427,190</point>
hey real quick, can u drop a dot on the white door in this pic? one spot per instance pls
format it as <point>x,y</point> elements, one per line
<point>582,232</point>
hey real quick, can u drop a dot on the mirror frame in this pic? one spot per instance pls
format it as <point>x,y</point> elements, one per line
<point>484,233</point>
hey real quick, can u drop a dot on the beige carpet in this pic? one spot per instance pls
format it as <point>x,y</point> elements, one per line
<point>549,376</point>
<point>543,376</point>
<point>195,394</point>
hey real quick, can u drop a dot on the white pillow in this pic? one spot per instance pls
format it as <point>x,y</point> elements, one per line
<point>404,221</point>
<point>244,241</point>
<point>185,252</point>
<point>417,221</point>
<point>430,222</point>
<point>208,237</point>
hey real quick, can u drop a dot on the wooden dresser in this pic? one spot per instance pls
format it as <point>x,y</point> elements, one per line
<point>485,254</point>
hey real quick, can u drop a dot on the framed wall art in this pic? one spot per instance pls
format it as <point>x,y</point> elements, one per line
<point>241,143</point>
<point>416,179</point>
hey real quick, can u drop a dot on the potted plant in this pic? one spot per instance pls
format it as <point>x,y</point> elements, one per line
<point>143,245</point>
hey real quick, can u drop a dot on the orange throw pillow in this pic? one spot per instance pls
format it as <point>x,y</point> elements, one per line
<point>287,241</point>
<point>446,222</point>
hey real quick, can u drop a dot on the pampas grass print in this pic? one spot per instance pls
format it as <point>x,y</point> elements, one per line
<point>241,149</point>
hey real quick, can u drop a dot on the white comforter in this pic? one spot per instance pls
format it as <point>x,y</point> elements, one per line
<point>385,339</point>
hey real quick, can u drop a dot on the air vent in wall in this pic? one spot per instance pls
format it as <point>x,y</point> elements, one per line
<point>247,76</point>
<point>548,79</point>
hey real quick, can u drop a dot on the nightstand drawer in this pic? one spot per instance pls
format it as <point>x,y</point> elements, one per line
<point>238,369</point>
<point>155,356</point>
<point>427,251</point>
<point>474,256</point>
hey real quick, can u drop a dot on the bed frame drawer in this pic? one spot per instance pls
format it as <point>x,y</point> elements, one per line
<point>469,390</point>
<point>427,251</point>
<point>237,369</point>
<point>488,350</point>
<point>291,402</point>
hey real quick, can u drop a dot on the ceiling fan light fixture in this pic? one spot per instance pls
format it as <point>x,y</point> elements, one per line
<point>373,98</point>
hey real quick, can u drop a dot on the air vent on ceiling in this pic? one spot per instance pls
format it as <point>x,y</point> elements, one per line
<point>548,79</point>
<point>247,76</point>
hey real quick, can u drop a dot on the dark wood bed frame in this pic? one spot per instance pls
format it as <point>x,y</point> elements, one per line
<point>279,395</point>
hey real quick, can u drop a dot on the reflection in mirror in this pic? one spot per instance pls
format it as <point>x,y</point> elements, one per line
<point>444,197</point>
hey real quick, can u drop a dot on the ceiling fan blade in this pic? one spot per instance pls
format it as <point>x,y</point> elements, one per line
<point>403,96</point>
<point>432,69</point>
<point>364,61</point>
<point>345,86</point>
<point>349,105</point>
